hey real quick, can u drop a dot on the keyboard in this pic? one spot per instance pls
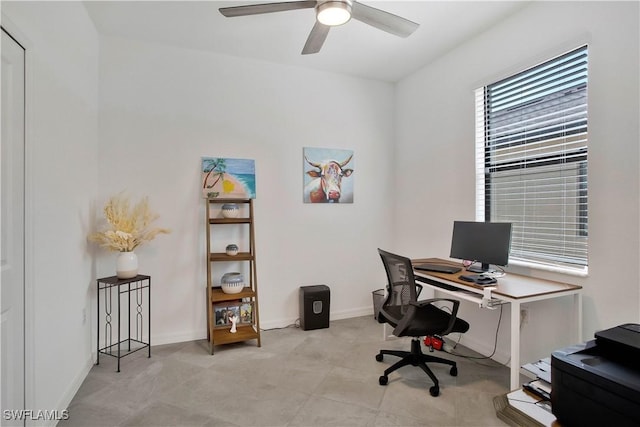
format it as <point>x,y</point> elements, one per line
<point>437,284</point>
<point>440,268</point>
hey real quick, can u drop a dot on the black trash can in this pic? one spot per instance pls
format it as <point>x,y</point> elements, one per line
<point>314,307</point>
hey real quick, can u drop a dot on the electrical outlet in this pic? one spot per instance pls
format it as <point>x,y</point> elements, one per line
<point>524,316</point>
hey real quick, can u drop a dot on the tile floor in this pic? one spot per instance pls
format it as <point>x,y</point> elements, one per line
<point>322,377</point>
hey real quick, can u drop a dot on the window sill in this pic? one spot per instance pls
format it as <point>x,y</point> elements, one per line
<point>578,272</point>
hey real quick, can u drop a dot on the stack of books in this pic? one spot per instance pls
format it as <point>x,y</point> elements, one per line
<point>541,385</point>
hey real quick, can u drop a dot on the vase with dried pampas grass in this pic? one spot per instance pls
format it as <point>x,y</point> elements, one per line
<point>127,228</point>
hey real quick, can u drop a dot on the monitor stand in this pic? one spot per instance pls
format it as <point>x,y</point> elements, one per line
<point>482,269</point>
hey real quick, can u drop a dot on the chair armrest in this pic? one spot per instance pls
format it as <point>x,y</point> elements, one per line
<point>385,317</point>
<point>455,304</point>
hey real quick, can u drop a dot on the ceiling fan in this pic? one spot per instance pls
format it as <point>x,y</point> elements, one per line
<point>330,13</point>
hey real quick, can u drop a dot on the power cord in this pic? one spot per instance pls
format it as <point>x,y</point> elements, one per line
<point>493,273</point>
<point>496,273</point>
<point>495,344</point>
<point>295,324</point>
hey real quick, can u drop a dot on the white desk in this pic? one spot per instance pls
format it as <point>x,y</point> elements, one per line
<point>512,288</point>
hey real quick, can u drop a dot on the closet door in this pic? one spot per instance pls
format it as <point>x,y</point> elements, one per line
<point>12,282</point>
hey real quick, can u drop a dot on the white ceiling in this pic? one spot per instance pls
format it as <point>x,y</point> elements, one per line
<point>354,48</point>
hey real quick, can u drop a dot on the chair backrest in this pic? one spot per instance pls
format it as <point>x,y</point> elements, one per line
<point>401,285</point>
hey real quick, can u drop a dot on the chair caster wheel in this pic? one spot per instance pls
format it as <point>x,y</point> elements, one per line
<point>434,391</point>
<point>383,380</point>
<point>379,357</point>
<point>454,371</point>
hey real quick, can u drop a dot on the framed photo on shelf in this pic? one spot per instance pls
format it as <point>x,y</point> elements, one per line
<point>224,312</point>
<point>246,313</point>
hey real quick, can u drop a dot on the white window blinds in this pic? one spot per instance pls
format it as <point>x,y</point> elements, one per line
<point>531,160</point>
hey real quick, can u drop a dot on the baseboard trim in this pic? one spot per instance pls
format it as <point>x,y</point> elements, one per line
<point>174,338</point>
<point>333,315</point>
<point>68,396</point>
<point>483,348</point>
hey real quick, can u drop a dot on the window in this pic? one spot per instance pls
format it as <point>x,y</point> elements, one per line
<point>531,161</point>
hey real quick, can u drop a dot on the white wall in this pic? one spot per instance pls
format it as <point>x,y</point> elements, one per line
<point>163,108</point>
<point>62,122</point>
<point>435,151</point>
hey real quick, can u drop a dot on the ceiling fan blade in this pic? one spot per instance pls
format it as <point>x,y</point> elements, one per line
<point>316,38</point>
<point>382,20</point>
<point>256,9</point>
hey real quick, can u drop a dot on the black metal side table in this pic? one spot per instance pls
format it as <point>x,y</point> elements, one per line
<point>123,289</point>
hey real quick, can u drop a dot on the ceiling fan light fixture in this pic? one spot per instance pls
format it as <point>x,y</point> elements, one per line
<point>334,13</point>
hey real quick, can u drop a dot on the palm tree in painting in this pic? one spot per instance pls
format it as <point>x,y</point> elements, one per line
<point>215,169</point>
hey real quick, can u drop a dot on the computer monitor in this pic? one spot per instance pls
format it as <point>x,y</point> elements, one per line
<point>483,242</point>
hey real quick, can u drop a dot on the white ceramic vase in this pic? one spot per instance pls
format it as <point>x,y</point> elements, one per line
<point>232,283</point>
<point>127,265</point>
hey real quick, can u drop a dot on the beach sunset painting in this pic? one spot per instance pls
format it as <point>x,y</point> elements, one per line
<point>225,178</point>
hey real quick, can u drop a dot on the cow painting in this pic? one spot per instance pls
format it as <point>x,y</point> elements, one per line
<point>327,179</point>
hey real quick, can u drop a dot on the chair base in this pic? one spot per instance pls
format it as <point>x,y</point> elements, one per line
<point>416,357</point>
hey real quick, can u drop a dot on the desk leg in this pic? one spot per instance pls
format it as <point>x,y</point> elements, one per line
<point>515,345</point>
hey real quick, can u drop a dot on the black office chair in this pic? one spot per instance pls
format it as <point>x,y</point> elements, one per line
<point>410,317</point>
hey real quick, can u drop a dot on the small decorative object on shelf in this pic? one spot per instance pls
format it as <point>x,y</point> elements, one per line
<point>127,228</point>
<point>232,283</point>
<point>232,249</point>
<point>230,210</point>
<point>234,320</point>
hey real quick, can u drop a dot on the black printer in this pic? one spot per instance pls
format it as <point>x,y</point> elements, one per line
<point>598,383</point>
